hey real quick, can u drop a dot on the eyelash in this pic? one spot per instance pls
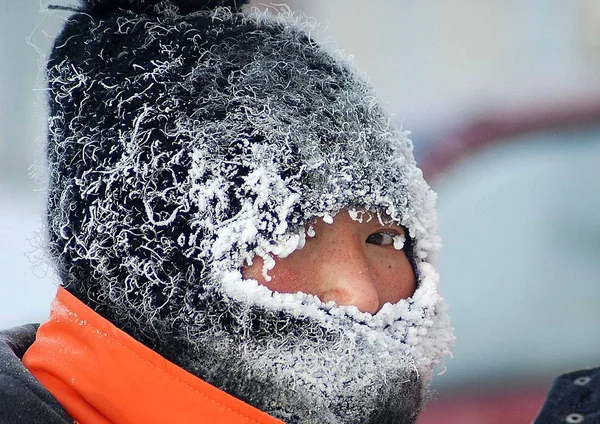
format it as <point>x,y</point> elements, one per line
<point>391,235</point>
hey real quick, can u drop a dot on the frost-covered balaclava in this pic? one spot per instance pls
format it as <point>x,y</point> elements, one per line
<point>186,138</point>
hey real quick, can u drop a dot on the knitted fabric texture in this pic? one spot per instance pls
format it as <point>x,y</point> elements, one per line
<point>180,146</point>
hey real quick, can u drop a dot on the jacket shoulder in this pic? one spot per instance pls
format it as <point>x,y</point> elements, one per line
<point>573,398</point>
<point>23,399</point>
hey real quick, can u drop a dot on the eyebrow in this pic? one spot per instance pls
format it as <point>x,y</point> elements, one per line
<point>383,219</point>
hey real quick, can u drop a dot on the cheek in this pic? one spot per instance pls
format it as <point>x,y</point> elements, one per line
<point>286,277</point>
<point>394,276</point>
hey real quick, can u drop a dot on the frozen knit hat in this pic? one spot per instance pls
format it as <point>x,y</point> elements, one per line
<point>186,138</point>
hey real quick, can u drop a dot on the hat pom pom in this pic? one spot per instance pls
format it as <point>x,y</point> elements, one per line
<point>143,6</point>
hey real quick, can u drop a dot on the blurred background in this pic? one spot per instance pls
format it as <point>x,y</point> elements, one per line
<point>503,101</point>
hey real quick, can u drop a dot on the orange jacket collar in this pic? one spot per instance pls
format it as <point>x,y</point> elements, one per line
<point>102,375</point>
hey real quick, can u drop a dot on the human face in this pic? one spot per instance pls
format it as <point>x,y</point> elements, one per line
<point>348,262</point>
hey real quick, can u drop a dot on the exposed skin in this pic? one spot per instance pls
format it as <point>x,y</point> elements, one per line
<point>349,262</point>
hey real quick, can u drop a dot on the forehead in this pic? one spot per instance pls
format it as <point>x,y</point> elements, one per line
<point>376,215</point>
<point>371,217</point>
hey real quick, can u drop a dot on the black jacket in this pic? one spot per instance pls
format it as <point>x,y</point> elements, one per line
<point>23,400</point>
<point>574,398</point>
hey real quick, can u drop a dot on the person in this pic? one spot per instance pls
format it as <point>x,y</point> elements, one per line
<point>240,233</point>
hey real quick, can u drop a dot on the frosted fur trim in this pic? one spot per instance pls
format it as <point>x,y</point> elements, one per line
<point>181,147</point>
<point>420,323</point>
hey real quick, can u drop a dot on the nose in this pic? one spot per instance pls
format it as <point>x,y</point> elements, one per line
<point>364,297</point>
<point>345,277</point>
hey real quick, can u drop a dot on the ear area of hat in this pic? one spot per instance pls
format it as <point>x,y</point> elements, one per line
<point>143,6</point>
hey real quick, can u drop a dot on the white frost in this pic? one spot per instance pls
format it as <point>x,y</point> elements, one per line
<point>399,241</point>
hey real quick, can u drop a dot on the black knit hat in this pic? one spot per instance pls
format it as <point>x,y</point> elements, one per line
<point>186,137</point>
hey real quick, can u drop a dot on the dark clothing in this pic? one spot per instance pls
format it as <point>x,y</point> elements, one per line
<point>22,398</point>
<point>574,398</point>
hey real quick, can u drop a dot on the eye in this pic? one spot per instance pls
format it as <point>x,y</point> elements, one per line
<point>387,238</point>
<point>381,238</point>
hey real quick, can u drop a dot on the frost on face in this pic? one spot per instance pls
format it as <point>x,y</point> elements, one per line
<point>359,215</point>
<point>328,219</point>
<point>399,241</point>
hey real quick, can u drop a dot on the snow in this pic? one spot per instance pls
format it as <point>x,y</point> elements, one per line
<point>399,241</point>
